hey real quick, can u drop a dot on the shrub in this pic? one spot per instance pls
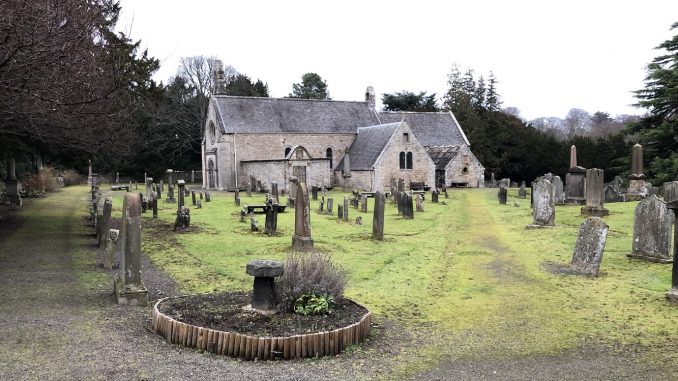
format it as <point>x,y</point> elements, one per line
<point>311,284</point>
<point>71,177</point>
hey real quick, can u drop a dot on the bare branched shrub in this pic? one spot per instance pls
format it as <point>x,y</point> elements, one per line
<point>71,177</point>
<point>310,273</point>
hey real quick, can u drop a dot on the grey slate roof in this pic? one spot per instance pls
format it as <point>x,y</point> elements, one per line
<point>367,146</point>
<point>274,115</point>
<point>441,155</point>
<point>431,128</point>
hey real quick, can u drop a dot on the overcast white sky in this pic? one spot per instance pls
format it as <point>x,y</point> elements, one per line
<point>549,56</point>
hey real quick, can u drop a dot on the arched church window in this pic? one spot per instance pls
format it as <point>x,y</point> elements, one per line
<point>328,154</point>
<point>287,151</point>
<point>402,160</point>
<point>212,130</point>
<point>409,160</point>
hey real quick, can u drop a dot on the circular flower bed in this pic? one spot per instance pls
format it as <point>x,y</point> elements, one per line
<point>217,323</point>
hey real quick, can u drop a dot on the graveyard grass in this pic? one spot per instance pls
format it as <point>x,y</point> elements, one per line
<point>467,280</point>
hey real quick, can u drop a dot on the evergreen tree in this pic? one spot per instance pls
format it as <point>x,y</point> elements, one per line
<point>242,85</point>
<point>312,86</point>
<point>408,101</point>
<point>657,130</point>
<point>493,102</point>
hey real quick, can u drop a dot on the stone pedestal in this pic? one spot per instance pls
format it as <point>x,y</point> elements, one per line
<point>12,187</point>
<point>264,295</point>
<point>575,186</point>
<point>637,190</point>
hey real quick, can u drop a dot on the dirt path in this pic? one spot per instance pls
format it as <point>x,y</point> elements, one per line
<point>59,321</point>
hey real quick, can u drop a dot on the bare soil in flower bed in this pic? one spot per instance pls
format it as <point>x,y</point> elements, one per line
<point>224,312</point>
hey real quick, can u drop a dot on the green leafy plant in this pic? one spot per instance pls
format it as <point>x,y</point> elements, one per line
<point>314,304</point>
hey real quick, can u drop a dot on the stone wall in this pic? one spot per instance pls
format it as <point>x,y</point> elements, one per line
<point>268,172</point>
<point>465,168</point>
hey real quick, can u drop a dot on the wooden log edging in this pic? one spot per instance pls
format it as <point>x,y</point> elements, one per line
<point>232,344</point>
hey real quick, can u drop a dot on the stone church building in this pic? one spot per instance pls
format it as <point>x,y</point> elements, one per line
<point>332,143</point>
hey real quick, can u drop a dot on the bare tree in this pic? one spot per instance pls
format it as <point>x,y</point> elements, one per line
<point>577,122</point>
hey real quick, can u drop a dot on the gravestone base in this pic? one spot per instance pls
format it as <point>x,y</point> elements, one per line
<point>636,190</point>
<point>650,258</point>
<point>12,187</point>
<point>672,295</point>
<point>302,243</point>
<point>594,212</point>
<point>575,201</point>
<point>130,295</point>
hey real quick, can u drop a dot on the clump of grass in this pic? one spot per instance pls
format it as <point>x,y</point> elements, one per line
<point>309,276</point>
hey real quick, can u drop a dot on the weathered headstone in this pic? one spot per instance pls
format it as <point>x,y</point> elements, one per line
<point>612,194</point>
<point>271,224</point>
<point>522,193</point>
<point>249,189</point>
<point>128,286</point>
<point>111,242</point>
<point>401,185</point>
<point>170,193</point>
<point>502,194</point>
<point>149,190</point>
<point>420,203</point>
<point>434,196</point>
<point>359,220</point>
<point>274,191</point>
<point>193,197</point>
<point>330,201</point>
<point>208,197</point>
<point>588,251</point>
<point>595,197</point>
<point>652,231</point>
<point>198,204</point>
<point>236,197</point>
<point>254,225</point>
<point>154,206</point>
<point>670,193</point>
<point>493,181</point>
<point>505,182</point>
<point>104,225</point>
<point>637,189</point>
<point>340,211</point>
<point>345,214</point>
<point>181,184</point>
<point>183,220</point>
<point>408,206</point>
<point>543,204</point>
<point>314,193</point>
<point>243,214</point>
<point>558,191</point>
<point>144,203</point>
<point>378,217</point>
<point>363,203</point>
<point>301,240</point>
<point>264,272</point>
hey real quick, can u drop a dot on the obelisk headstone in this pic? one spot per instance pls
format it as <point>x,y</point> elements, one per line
<point>637,189</point>
<point>301,240</point>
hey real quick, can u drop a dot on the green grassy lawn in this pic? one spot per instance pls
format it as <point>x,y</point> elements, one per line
<point>468,272</point>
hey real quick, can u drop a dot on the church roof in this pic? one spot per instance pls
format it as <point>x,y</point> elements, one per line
<point>431,128</point>
<point>368,145</point>
<point>275,115</point>
<point>442,155</point>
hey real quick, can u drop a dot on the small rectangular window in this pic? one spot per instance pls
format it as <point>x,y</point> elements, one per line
<point>406,137</point>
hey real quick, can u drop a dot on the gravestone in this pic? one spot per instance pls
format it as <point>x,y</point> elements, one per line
<point>264,271</point>
<point>149,191</point>
<point>670,193</point>
<point>505,182</point>
<point>248,190</point>
<point>193,197</point>
<point>434,196</point>
<point>612,194</point>
<point>181,184</point>
<point>208,197</point>
<point>314,193</point>
<point>400,201</point>
<point>401,185</point>
<point>445,192</point>
<point>154,206</point>
<point>183,220</point>
<point>170,193</point>
<point>254,225</point>
<point>301,240</point>
<point>198,204</point>
<point>243,214</point>
<point>363,203</point>
<point>359,220</point>
<point>236,197</point>
<point>522,193</point>
<point>200,195</point>
<point>543,204</point>
<point>330,202</point>
<point>340,211</point>
<point>378,217</point>
<point>274,191</point>
<point>558,192</point>
<point>144,203</point>
<point>588,251</point>
<point>162,186</point>
<point>111,243</point>
<point>637,188</point>
<point>394,189</point>
<point>128,286</point>
<point>158,191</point>
<point>652,231</point>
<point>408,206</point>
<point>420,203</point>
<point>493,181</point>
<point>320,207</point>
<point>595,197</point>
<point>271,224</point>
<point>345,214</point>
<point>104,225</point>
<point>502,194</point>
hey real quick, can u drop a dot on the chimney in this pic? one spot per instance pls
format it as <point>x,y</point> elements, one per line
<point>370,96</point>
<point>219,80</point>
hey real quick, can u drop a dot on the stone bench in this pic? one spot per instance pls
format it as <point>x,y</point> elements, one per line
<point>120,187</point>
<point>419,186</point>
<point>260,209</point>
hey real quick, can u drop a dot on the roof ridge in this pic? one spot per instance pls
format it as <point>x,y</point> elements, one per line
<point>284,99</point>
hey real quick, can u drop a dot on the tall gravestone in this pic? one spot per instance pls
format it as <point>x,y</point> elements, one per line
<point>340,211</point>
<point>558,190</point>
<point>588,250</point>
<point>652,231</point>
<point>637,189</point>
<point>330,205</point>
<point>363,203</point>
<point>378,217</point>
<point>575,181</point>
<point>193,197</point>
<point>408,207</point>
<point>105,224</point>
<point>149,189</point>
<point>301,240</point>
<point>170,186</point>
<point>502,194</point>
<point>111,242</point>
<point>434,196</point>
<point>522,193</point>
<point>345,214</point>
<point>595,196</point>
<point>181,184</point>
<point>274,191</point>
<point>543,204</point>
<point>129,288</point>
<point>154,206</point>
<point>271,224</point>
<point>670,192</point>
<point>493,181</point>
<point>248,190</point>
<point>420,203</point>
